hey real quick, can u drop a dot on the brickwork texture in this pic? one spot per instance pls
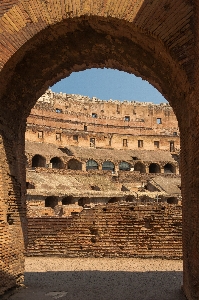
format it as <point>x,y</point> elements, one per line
<point>44,41</point>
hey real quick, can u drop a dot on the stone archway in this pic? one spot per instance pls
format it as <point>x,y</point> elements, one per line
<point>57,163</point>
<point>38,161</point>
<point>108,166</point>
<point>42,42</point>
<point>74,164</point>
<point>169,168</point>
<point>140,167</point>
<point>154,168</point>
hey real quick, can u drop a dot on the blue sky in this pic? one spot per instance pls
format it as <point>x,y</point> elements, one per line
<point>108,84</point>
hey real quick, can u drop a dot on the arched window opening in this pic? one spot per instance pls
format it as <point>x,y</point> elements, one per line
<point>172,200</point>
<point>68,200</point>
<point>154,168</point>
<point>83,201</point>
<point>124,166</point>
<point>140,167</point>
<point>51,201</point>
<point>91,165</point>
<point>74,164</point>
<point>108,165</point>
<point>169,168</point>
<point>56,163</point>
<point>113,200</point>
<point>38,161</point>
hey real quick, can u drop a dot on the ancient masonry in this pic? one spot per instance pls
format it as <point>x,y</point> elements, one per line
<point>42,42</point>
<point>103,178</point>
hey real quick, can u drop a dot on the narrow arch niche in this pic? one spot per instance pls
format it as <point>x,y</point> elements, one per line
<point>154,168</point>
<point>172,200</point>
<point>108,166</point>
<point>57,163</point>
<point>140,167</point>
<point>38,161</point>
<point>124,166</point>
<point>74,164</point>
<point>91,165</point>
<point>68,200</point>
<point>51,201</point>
<point>169,168</point>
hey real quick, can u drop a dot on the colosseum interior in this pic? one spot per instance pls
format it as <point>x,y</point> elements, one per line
<point>97,165</point>
<point>42,42</point>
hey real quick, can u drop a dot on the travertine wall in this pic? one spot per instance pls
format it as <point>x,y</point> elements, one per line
<point>63,119</point>
<point>112,230</point>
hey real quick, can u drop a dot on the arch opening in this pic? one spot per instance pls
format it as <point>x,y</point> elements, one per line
<point>108,166</point>
<point>124,166</point>
<point>31,63</point>
<point>169,168</point>
<point>38,161</point>
<point>57,163</point>
<point>154,168</point>
<point>140,167</point>
<point>68,200</point>
<point>74,164</point>
<point>172,200</point>
<point>51,201</point>
<point>91,165</point>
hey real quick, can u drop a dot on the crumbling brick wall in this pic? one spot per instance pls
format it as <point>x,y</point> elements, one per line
<point>111,230</point>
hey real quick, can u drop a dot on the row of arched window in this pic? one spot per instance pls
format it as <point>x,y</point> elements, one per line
<point>124,166</point>
<point>74,164</point>
<point>52,201</point>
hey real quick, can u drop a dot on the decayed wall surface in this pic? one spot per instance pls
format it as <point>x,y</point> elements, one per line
<point>112,230</point>
<point>43,41</point>
<point>78,119</point>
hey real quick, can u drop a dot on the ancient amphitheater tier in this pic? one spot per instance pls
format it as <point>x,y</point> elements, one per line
<point>74,120</point>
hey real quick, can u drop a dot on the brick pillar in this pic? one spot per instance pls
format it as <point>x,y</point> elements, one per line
<point>162,170</point>
<point>84,166</point>
<point>12,206</point>
<point>190,202</point>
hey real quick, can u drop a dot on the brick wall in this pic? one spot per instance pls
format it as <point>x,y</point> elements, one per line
<point>110,230</point>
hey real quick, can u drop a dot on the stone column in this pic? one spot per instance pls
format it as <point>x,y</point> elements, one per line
<point>84,166</point>
<point>161,170</point>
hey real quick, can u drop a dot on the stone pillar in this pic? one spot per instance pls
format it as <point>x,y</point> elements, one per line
<point>84,166</point>
<point>12,205</point>
<point>177,171</point>
<point>147,169</point>
<point>162,170</point>
<point>116,168</point>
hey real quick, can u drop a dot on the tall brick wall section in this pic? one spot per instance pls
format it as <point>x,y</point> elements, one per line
<point>44,41</point>
<point>110,230</point>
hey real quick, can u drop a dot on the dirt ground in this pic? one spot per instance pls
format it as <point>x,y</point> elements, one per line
<point>49,278</point>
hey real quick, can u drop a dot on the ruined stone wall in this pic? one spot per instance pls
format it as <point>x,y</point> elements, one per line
<point>111,230</point>
<point>64,119</point>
